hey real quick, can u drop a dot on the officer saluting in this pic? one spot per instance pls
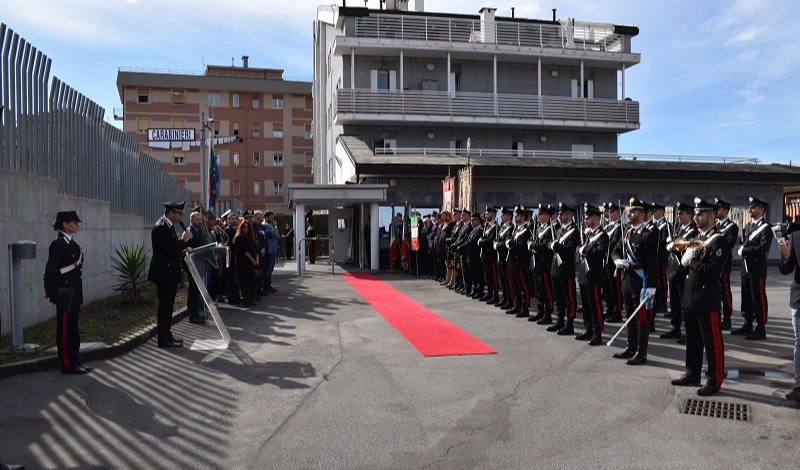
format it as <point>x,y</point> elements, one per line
<point>165,269</point>
<point>64,287</point>
<point>704,261</point>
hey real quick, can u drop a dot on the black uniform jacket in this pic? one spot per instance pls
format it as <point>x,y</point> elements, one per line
<point>755,245</point>
<point>594,253</point>
<point>701,292</point>
<point>470,247</point>
<point>486,242</point>
<point>614,232</point>
<point>686,232</point>
<point>730,233</point>
<point>165,267</point>
<point>63,253</point>
<point>504,233</point>
<point>542,254</point>
<point>568,237</point>
<point>518,253</point>
<point>644,244</point>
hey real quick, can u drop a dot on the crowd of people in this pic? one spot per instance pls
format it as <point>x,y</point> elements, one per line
<point>605,265</point>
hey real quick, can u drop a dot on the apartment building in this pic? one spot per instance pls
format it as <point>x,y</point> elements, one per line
<point>261,123</point>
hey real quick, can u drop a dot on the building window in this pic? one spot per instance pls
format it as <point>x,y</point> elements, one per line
<point>213,98</point>
<point>236,188</point>
<point>309,134</point>
<point>178,157</point>
<point>256,102</point>
<point>277,101</point>
<point>256,130</point>
<point>142,124</point>
<point>277,187</point>
<point>178,123</point>
<point>309,159</point>
<point>178,97</point>
<point>236,159</point>
<point>236,128</point>
<point>143,94</point>
<point>256,158</point>
<point>277,159</point>
<point>235,99</point>
<point>256,187</point>
<point>277,130</point>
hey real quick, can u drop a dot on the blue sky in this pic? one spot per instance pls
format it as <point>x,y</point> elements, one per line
<point>716,77</point>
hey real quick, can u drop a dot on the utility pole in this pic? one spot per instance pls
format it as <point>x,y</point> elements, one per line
<point>203,164</point>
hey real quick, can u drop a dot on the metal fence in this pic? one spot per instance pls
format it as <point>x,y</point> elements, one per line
<point>56,132</point>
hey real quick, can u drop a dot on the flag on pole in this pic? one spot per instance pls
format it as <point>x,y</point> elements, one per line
<point>213,179</point>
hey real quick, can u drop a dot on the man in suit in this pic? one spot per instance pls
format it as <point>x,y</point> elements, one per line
<point>567,239</point>
<point>593,253</point>
<point>232,218</point>
<point>63,285</point>
<point>756,241</point>
<point>701,302</point>
<point>790,264</point>
<point>165,268</point>
<point>730,233</point>
<point>193,301</point>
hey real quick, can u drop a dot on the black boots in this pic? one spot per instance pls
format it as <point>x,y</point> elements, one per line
<point>725,323</point>
<point>745,329</point>
<point>597,339</point>
<point>686,381</point>
<point>558,325</point>
<point>641,351</point>
<point>567,329</point>
<point>759,333</point>
<point>546,319</point>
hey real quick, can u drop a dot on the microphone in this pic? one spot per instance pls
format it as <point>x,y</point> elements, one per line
<point>183,226</point>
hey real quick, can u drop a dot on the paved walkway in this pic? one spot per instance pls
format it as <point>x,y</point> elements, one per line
<point>314,378</point>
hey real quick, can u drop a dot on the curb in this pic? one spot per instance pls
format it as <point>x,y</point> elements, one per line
<point>126,344</point>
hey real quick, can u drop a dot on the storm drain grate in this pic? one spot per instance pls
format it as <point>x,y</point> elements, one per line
<point>717,409</point>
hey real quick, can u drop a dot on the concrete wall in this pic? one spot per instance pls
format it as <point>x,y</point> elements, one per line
<point>28,212</point>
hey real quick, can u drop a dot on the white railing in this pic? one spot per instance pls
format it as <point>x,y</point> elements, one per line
<point>559,154</point>
<point>581,35</point>
<point>442,103</point>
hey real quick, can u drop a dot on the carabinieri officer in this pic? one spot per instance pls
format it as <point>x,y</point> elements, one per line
<point>64,287</point>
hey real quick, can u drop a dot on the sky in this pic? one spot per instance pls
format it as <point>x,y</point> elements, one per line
<point>715,78</point>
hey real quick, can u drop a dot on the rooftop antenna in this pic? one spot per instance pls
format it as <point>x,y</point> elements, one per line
<point>231,61</point>
<point>512,12</point>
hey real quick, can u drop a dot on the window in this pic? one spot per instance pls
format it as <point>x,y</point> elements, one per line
<point>179,123</point>
<point>256,158</point>
<point>143,94</point>
<point>178,97</point>
<point>256,187</point>
<point>213,98</point>
<point>236,187</point>
<point>236,159</point>
<point>178,157</point>
<point>256,103</point>
<point>277,129</point>
<point>277,187</point>
<point>256,130</point>
<point>309,159</point>
<point>277,101</point>
<point>142,124</point>
<point>383,79</point>
<point>277,159</point>
<point>235,99</point>
<point>236,128</point>
<point>309,134</point>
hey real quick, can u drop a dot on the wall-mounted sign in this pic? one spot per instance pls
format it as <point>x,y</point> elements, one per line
<point>170,135</point>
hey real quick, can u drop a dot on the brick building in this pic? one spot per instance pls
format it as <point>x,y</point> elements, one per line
<point>263,120</point>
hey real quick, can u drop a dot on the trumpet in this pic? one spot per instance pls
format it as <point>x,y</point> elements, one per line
<point>681,244</point>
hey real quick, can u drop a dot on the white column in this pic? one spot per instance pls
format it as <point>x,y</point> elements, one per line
<point>539,76</point>
<point>581,92</point>
<point>352,69</point>
<point>300,232</point>
<point>449,80</point>
<point>374,240</point>
<point>401,70</point>
<point>623,83</point>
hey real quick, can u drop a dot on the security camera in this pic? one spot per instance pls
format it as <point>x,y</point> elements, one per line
<point>210,119</point>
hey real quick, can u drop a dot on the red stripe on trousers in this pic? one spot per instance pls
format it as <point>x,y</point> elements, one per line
<point>510,283</point>
<point>493,267</point>
<point>716,335</point>
<point>527,296</point>
<point>64,345</point>
<point>728,297</point>
<point>549,291</point>
<point>763,293</point>
<point>598,308</point>
<point>571,292</point>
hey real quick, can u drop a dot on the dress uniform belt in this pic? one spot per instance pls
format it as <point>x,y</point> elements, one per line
<point>72,266</point>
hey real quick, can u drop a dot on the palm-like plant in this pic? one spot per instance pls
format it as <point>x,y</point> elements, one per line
<point>130,263</point>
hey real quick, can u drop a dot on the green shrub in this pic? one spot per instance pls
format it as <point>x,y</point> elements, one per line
<point>130,263</point>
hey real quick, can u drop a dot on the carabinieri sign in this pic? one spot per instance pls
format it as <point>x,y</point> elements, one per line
<point>170,135</point>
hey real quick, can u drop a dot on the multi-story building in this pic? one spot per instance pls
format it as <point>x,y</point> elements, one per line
<point>261,122</point>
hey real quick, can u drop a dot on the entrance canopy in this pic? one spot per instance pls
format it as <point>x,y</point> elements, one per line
<point>303,197</point>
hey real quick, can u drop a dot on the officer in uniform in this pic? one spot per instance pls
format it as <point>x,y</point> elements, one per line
<point>636,255</point>
<point>518,261</point>
<point>463,283</point>
<point>472,256</point>
<point>730,233</point>
<point>489,257</point>
<point>756,240</point>
<point>567,239</point>
<point>64,287</point>
<point>541,262</point>
<point>613,281</point>
<point>661,224</point>
<point>687,230</point>
<point>593,253</point>
<point>701,301</point>
<point>165,268</point>
<point>504,234</point>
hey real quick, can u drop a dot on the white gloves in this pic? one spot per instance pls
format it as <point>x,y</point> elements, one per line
<point>508,244</point>
<point>688,256</point>
<point>670,246</point>
<point>740,250</point>
<point>622,264</point>
<point>650,292</point>
<point>530,244</point>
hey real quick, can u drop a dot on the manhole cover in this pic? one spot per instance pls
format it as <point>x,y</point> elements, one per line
<point>716,409</point>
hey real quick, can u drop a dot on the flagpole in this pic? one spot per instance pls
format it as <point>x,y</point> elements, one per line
<point>204,180</point>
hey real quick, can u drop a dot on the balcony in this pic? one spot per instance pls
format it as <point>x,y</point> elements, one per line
<point>359,106</point>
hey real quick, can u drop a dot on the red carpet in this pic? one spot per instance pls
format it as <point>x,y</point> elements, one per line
<point>429,333</point>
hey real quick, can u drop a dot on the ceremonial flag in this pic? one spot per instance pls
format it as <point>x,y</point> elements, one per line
<point>213,179</point>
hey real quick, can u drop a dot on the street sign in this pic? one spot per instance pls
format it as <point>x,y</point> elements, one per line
<point>170,135</point>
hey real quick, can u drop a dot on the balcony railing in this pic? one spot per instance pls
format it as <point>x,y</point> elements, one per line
<point>581,36</point>
<point>486,105</point>
<point>462,153</point>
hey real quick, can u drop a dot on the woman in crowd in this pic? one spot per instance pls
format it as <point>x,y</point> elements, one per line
<point>245,250</point>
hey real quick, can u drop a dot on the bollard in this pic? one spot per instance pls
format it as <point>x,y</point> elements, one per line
<point>18,251</point>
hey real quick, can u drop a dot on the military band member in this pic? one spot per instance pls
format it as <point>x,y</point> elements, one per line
<point>63,285</point>
<point>541,262</point>
<point>756,241</point>
<point>504,234</point>
<point>636,255</point>
<point>566,241</point>
<point>701,302</point>
<point>165,269</point>
<point>518,262</point>
<point>662,225</point>
<point>593,253</point>
<point>489,257</point>
<point>686,231</point>
<point>730,233</point>
<point>613,280</point>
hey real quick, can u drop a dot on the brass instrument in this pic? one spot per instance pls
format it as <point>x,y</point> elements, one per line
<point>681,245</point>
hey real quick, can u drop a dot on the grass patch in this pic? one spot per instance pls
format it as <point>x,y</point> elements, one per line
<point>106,320</point>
